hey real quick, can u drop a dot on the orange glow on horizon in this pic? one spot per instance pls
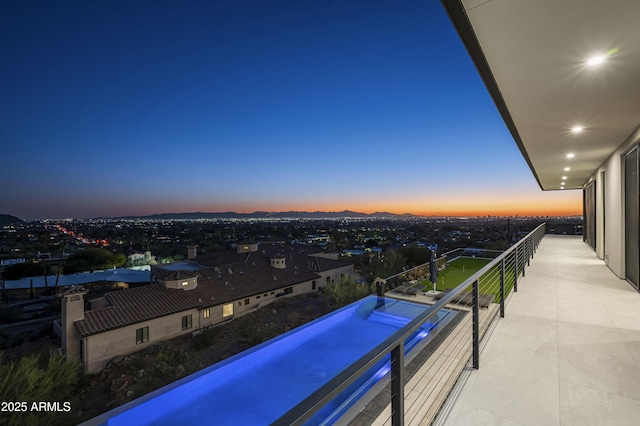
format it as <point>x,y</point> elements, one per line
<point>556,203</point>
<point>526,203</point>
<point>498,208</point>
<point>512,207</point>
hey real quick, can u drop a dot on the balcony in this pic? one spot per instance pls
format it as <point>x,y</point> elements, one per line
<point>567,351</point>
<point>419,387</point>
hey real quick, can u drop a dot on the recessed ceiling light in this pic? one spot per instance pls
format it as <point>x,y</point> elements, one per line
<point>562,183</point>
<point>564,178</point>
<point>566,169</point>
<point>562,187</point>
<point>570,155</point>
<point>577,129</point>
<point>596,60</point>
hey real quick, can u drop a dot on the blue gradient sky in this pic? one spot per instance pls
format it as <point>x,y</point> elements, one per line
<point>129,107</point>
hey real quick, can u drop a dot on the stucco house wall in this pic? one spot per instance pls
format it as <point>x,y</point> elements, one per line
<point>162,311</point>
<point>99,349</point>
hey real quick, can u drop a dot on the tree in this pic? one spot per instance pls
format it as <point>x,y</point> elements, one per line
<point>338,240</point>
<point>371,242</point>
<point>21,270</point>
<point>347,291</point>
<point>119,259</point>
<point>93,259</point>
<point>392,263</point>
<point>415,255</point>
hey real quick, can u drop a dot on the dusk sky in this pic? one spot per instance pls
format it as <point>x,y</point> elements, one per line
<point>114,108</point>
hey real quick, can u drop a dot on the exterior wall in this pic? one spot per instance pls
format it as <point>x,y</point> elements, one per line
<point>215,315</point>
<point>192,252</point>
<point>247,248</point>
<point>600,209</point>
<point>182,284</point>
<point>335,275</point>
<point>241,307</point>
<point>101,348</point>
<point>72,310</point>
<point>139,259</point>
<point>279,262</point>
<point>252,303</point>
<point>610,228</point>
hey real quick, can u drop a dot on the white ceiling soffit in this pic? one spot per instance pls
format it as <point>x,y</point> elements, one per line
<point>532,56</point>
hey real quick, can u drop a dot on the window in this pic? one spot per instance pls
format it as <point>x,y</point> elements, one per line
<point>288,290</point>
<point>185,283</point>
<point>313,285</point>
<point>206,313</point>
<point>186,322</point>
<point>328,280</point>
<point>142,335</point>
<point>227,310</point>
<point>246,301</point>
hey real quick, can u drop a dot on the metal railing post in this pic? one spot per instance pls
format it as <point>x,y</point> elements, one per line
<point>476,324</point>
<point>502,288</point>
<point>534,244</point>
<point>524,255</point>
<point>515,270</point>
<point>397,385</point>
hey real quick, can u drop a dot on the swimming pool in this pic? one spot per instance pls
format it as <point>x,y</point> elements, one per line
<point>258,386</point>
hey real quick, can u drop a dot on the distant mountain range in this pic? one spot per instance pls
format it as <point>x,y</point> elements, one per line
<point>7,219</point>
<point>267,215</point>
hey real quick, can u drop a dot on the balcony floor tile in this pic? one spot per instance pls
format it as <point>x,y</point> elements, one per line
<point>567,352</point>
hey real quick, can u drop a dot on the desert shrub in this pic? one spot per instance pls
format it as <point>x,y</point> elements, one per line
<point>168,357</point>
<point>34,379</point>
<point>254,331</point>
<point>281,303</point>
<point>206,338</point>
<point>346,291</point>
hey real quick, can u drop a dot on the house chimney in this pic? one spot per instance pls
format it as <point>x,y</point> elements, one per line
<point>72,311</point>
<point>192,252</point>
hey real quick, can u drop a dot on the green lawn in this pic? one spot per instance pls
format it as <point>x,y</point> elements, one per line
<point>457,271</point>
<point>462,268</point>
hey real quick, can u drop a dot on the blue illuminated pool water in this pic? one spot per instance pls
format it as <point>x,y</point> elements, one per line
<point>258,386</point>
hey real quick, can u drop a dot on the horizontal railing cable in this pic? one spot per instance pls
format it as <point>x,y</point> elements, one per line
<point>499,277</point>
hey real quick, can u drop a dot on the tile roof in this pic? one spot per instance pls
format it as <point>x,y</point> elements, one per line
<point>217,285</point>
<point>178,275</point>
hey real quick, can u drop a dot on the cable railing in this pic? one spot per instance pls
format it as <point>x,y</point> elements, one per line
<point>423,270</point>
<point>479,299</point>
